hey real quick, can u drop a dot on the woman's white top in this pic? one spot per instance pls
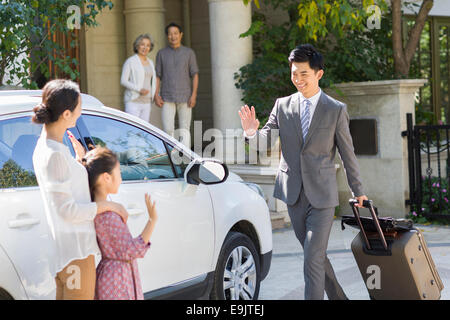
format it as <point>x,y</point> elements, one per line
<point>146,99</point>
<point>133,78</point>
<point>70,213</point>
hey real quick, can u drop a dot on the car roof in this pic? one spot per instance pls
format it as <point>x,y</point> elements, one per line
<point>19,101</point>
<point>12,101</point>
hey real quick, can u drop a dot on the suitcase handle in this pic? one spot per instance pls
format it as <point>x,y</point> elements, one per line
<point>373,211</point>
<point>366,204</point>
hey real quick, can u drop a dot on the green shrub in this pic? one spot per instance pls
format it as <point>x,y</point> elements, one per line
<point>435,199</point>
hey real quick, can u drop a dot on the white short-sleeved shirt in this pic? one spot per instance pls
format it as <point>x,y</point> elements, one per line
<point>68,207</point>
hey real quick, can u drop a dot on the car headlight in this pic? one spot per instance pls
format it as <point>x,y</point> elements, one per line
<point>255,188</point>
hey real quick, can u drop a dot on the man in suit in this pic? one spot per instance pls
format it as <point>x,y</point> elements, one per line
<point>311,125</point>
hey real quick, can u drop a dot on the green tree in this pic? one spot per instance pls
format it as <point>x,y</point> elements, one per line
<point>12,176</point>
<point>404,49</point>
<point>318,17</point>
<point>354,50</point>
<point>26,26</point>
<point>343,36</point>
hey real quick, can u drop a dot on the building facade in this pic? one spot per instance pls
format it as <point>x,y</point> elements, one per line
<point>211,28</point>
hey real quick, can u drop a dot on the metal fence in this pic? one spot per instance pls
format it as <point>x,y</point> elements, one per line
<point>429,169</point>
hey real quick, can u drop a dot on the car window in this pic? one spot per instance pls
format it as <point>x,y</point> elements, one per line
<point>18,139</point>
<point>142,156</point>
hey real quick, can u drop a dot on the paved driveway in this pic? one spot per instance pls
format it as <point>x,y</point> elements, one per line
<point>285,279</point>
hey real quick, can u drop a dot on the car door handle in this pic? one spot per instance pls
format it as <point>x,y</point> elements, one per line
<point>20,223</point>
<point>135,211</point>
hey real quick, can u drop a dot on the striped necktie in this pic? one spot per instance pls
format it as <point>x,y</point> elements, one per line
<point>306,118</point>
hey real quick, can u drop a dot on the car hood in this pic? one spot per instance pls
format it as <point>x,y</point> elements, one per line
<point>234,177</point>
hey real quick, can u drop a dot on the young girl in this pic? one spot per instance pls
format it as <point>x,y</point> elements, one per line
<point>117,274</point>
<point>64,186</point>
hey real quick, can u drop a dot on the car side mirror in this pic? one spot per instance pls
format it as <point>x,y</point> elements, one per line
<point>206,171</point>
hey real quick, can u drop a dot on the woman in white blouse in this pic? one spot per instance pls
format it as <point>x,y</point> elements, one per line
<point>65,190</point>
<point>139,79</point>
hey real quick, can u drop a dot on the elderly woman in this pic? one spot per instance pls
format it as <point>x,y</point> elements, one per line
<point>139,79</point>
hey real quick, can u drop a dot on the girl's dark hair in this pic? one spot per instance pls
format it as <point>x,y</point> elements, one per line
<point>57,96</point>
<point>307,53</point>
<point>98,161</point>
<point>172,24</point>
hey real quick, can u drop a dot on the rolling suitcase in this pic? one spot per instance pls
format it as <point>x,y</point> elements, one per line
<point>395,264</point>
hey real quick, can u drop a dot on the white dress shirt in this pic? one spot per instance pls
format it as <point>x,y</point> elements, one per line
<point>314,100</point>
<point>70,213</point>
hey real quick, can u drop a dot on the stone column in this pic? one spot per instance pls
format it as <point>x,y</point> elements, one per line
<point>146,16</point>
<point>103,55</point>
<point>228,19</point>
<point>384,175</point>
<point>187,23</point>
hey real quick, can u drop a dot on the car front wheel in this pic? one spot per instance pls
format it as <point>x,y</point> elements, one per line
<point>237,275</point>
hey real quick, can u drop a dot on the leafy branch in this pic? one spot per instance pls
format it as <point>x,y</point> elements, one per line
<point>26,28</point>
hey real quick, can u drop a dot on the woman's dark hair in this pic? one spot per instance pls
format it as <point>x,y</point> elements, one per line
<point>57,96</point>
<point>307,53</point>
<point>138,40</point>
<point>172,24</point>
<point>98,161</point>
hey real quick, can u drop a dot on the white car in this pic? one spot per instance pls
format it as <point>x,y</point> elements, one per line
<point>213,238</point>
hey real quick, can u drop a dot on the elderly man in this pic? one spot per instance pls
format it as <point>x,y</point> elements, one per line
<point>177,79</point>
